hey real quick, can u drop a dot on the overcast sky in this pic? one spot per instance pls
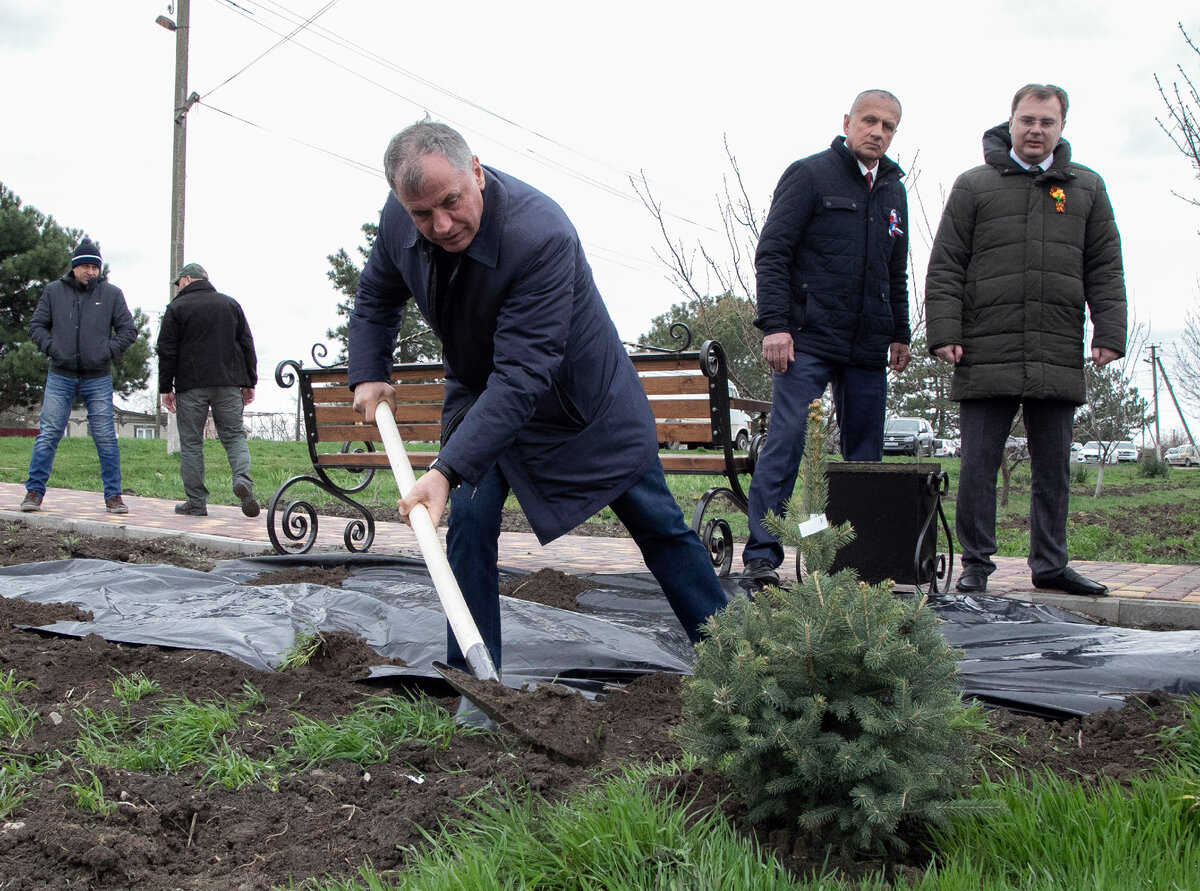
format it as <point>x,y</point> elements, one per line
<point>284,149</point>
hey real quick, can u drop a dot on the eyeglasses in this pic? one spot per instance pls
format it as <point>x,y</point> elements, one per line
<point>1046,123</point>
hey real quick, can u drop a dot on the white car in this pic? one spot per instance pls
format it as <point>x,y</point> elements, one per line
<point>1183,456</point>
<point>1093,451</point>
<point>1077,453</point>
<point>1126,451</point>
<point>945,448</point>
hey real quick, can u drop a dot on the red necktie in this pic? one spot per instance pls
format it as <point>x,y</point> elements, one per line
<point>870,180</point>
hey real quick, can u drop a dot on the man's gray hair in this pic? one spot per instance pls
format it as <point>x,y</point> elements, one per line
<point>866,93</point>
<point>1041,92</point>
<point>401,166</point>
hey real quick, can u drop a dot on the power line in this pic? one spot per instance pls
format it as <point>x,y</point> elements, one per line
<point>356,49</point>
<point>278,44</point>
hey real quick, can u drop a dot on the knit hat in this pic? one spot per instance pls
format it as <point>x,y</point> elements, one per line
<point>192,270</point>
<point>87,253</point>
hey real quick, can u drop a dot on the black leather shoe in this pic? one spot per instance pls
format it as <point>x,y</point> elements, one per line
<point>757,575</point>
<point>973,580</point>
<point>1070,582</point>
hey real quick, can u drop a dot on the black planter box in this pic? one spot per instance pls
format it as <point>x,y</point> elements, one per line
<point>889,506</point>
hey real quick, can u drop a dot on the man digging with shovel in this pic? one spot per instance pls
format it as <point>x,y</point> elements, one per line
<point>541,398</point>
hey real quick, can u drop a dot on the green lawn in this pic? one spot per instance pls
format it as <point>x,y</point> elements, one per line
<point>1136,519</point>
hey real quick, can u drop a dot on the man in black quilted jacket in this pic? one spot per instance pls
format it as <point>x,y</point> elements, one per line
<point>832,281</point>
<point>1027,249</point>
<point>206,360</point>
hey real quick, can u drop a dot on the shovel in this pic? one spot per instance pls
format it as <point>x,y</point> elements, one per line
<point>453,605</point>
<point>579,739</point>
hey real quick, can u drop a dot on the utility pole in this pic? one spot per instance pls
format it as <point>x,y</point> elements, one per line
<point>1157,428</point>
<point>183,102</point>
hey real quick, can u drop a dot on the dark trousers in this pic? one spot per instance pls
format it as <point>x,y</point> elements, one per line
<point>859,396</point>
<point>985,425</point>
<point>672,551</point>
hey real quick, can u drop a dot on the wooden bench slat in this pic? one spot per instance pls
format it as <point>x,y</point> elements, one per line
<point>753,406</point>
<point>695,409</point>
<point>370,433</point>
<point>355,460</point>
<point>693,385</point>
<point>344,415</point>
<point>432,393</point>
<point>684,432</point>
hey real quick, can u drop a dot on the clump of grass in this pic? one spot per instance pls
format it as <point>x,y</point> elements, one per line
<point>234,769</point>
<point>369,733</point>
<point>16,772</point>
<point>89,794</point>
<point>303,650</point>
<point>16,720</point>
<point>180,732</point>
<point>10,684</point>
<point>1080,475</point>
<point>132,688</point>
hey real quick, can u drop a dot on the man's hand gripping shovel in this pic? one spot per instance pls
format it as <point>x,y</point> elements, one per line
<point>461,623</point>
<point>502,705</point>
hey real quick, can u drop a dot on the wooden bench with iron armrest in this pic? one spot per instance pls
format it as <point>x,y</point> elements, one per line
<point>688,393</point>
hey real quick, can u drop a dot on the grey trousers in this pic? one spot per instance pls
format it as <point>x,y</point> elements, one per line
<point>192,412</point>
<point>985,424</point>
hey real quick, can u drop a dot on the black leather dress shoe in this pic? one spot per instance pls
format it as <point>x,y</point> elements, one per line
<point>973,580</point>
<point>1070,582</point>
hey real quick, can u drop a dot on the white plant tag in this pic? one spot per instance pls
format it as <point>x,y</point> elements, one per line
<point>814,524</point>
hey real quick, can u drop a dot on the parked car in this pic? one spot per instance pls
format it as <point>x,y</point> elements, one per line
<point>1093,451</point>
<point>945,448</point>
<point>1017,446</point>
<point>1126,451</point>
<point>740,423</point>
<point>908,436</point>
<point>1183,456</point>
<point>1077,453</point>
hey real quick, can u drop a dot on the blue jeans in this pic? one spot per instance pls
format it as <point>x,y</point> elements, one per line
<point>61,393</point>
<point>191,409</point>
<point>672,552</point>
<point>859,397</point>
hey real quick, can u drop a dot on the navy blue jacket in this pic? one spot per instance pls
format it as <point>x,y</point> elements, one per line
<point>537,380</point>
<point>82,329</point>
<point>832,259</point>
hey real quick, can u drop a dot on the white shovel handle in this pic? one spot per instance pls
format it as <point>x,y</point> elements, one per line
<point>453,605</point>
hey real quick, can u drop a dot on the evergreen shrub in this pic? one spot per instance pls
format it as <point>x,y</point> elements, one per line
<point>831,702</point>
<point>1151,467</point>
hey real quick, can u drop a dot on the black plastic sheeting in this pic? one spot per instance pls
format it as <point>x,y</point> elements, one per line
<point>1020,655</point>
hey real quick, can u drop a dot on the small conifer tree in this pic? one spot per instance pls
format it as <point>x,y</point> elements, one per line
<point>830,702</point>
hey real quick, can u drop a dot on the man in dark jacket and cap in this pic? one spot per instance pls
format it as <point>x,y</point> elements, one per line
<point>82,324</point>
<point>206,360</point>
<point>1027,246</point>
<point>541,397</point>
<point>832,289</point>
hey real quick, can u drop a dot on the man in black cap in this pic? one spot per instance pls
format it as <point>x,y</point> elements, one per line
<point>206,360</point>
<point>82,324</point>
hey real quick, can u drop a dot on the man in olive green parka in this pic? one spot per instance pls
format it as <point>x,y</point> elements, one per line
<point>1027,246</point>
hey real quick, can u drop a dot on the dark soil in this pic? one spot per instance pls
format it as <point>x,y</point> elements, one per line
<point>175,830</point>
